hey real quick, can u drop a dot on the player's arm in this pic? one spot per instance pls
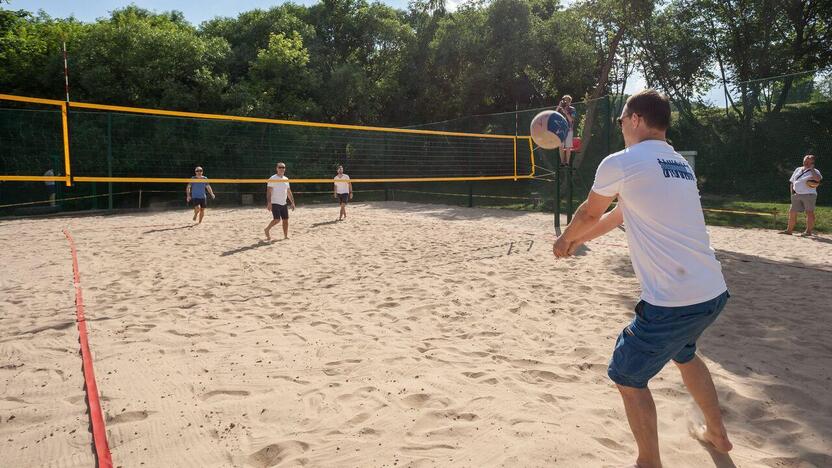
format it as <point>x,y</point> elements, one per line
<point>291,197</point>
<point>335,189</point>
<point>350,186</point>
<point>586,218</point>
<point>607,223</point>
<point>188,192</point>
<point>268,198</point>
<point>210,190</point>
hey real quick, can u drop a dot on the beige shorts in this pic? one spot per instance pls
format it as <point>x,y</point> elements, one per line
<point>803,202</point>
<point>567,143</point>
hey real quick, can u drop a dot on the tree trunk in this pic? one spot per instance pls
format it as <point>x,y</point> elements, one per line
<point>592,102</point>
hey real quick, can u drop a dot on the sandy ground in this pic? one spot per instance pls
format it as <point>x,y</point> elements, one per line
<point>408,335</point>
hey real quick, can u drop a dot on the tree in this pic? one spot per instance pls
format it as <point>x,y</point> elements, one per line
<point>156,60</point>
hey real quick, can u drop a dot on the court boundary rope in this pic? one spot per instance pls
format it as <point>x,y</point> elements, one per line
<point>99,432</point>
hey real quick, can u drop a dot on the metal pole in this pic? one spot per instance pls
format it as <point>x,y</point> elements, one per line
<point>470,195</point>
<point>557,196</point>
<point>110,160</point>
<point>569,194</point>
<point>140,198</point>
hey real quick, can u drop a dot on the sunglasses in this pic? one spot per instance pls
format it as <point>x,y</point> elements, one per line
<point>199,170</point>
<point>620,120</point>
<point>281,167</point>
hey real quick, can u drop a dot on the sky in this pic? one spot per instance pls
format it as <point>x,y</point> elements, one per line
<point>197,11</point>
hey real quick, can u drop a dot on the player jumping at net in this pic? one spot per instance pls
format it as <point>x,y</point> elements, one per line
<point>342,191</point>
<point>276,195</point>
<point>683,290</point>
<point>195,192</point>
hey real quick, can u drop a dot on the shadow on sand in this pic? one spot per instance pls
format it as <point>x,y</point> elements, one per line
<point>256,245</point>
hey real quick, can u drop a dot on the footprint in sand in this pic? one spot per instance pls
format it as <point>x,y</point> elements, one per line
<point>538,376</point>
<point>129,416</point>
<point>422,400</point>
<point>610,444</point>
<point>225,392</point>
<point>274,454</point>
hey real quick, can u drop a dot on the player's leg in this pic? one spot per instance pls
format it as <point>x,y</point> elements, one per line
<point>641,414</point>
<point>698,380</point>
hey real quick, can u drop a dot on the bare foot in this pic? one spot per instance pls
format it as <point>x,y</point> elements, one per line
<point>718,441</point>
<point>194,217</point>
<point>788,233</point>
<point>268,237</point>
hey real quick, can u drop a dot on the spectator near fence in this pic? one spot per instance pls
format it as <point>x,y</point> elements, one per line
<point>803,187</point>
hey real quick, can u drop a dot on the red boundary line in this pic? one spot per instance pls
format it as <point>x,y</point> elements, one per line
<point>99,433</point>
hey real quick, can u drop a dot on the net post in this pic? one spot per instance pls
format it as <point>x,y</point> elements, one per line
<point>109,160</point>
<point>65,130</point>
<point>569,194</point>
<point>557,197</point>
<point>470,195</point>
<point>140,198</point>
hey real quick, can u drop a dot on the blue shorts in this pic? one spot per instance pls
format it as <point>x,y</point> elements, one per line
<point>657,335</point>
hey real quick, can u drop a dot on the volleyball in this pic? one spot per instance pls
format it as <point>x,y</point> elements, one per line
<point>549,129</point>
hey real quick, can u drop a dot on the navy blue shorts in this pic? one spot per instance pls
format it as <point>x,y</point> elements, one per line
<point>344,198</point>
<point>280,211</point>
<point>198,202</point>
<point>657,335</point>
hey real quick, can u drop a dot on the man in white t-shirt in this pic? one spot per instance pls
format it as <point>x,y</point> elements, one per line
<point>803,185</point>
<point>683,290</point>
<point>276,195</point>
<point>342,191</point>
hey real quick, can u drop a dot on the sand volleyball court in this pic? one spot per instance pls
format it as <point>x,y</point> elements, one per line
<point>409,335</point>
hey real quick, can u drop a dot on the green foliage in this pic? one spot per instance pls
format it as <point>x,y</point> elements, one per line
<point>778,143</point>
<point>157,60</point>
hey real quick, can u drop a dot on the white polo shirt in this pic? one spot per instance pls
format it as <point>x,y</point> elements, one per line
<point>279,189</point>
<point>800,176</point>
<point>342,187</point>
<point>669,244</point>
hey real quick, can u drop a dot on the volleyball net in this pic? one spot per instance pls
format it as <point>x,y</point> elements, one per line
<point>92,143</point>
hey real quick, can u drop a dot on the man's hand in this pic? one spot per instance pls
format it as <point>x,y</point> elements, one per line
<point>293,206</point>
<point>335,195</point>
<point>562,247</point>
<point>187,198</point>
<point>350,195</point>
<point>268,207</point>
<point>213,197</point>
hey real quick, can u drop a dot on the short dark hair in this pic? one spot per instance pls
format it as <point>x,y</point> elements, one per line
<point>652,106</point>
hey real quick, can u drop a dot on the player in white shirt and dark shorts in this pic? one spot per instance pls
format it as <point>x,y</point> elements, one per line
<point>342,191</point>
<point>276,195</point>
<point>683,290</point>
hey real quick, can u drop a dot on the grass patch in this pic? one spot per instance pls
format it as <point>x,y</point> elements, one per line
<point>823,215</point>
